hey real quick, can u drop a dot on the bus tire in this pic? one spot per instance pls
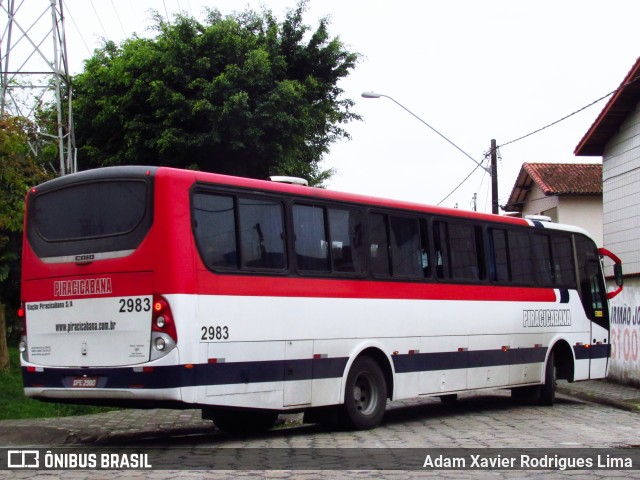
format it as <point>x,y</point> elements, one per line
<point>365,398</point>
<point>528,394</point>
<point>449,398</point>
<point>243,421</point>
<point>548,389</point>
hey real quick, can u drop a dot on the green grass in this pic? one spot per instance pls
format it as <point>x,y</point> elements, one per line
<point>16,405</point>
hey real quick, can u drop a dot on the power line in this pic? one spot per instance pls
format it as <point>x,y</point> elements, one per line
<point>77,29</point>
<point>106,35</point>
<point>527,201</point>
<point>620,174</point>
<point>460,184</point>
<point>166,12</point>
<point>478,164</point>
<point>572,113</point>
<point>119,21</point>
<point>378,95</point>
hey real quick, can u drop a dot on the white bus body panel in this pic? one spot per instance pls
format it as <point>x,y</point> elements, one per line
<point>330,327</point>
<point>89,332</point>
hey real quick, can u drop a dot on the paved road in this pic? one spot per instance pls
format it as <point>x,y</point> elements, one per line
<point>488,420</point>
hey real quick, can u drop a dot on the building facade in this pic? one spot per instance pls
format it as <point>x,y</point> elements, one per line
<point>615,136</point>
<point>566,193</point>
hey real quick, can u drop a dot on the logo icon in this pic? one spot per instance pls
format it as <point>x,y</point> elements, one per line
<point>23,459</point>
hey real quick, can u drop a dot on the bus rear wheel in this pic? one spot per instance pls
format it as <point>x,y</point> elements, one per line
<point>242,421</point>
<point>365,398</point>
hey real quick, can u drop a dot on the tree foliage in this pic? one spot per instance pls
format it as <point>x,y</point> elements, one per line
<point>241,94</point>
<point>19,170</point>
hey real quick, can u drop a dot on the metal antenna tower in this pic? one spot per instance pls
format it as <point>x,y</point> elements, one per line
<point>34,68</point>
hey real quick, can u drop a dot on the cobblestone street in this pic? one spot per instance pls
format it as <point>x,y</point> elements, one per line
<point>476,421</point>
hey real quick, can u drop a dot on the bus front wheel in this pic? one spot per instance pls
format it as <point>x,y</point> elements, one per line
<point>365,398</point>
<point>548,390</point>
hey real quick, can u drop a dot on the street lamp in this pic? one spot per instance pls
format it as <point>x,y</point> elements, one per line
<point>378,95</point>
<point>491,170</point>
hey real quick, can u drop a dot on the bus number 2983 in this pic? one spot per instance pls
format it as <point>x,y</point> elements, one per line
<point>214,333</point>
<point>134,305</point>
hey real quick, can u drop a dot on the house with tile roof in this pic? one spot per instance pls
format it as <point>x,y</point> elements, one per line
<point>615,136</point>
<point>567,193</point>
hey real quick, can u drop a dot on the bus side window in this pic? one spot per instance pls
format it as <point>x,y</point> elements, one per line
<point>425,264</point>
<point>406,249</point>
<point>440,246</point>
<point>261,229</point>
<point>379,245</point>
<point>544,272</point>
<point>347,249</point>
<point>564,269</point>
<point>466,252</point>
<point>499,247</point>
<point>311,244</point>
<point>215,229</point>
<point>519,244</point>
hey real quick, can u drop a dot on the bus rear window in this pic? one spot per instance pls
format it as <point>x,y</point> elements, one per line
<point>89,217</point>
<point>90,210</point>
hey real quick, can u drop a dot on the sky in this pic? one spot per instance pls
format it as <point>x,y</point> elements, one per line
<point>472,70</point>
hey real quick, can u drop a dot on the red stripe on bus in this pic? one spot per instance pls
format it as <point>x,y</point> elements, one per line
<point>361,289</point>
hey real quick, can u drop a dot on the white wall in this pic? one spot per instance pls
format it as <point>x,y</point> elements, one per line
<point>621,193</point>
<point>624,364</point>
<point>583,211</point>
<point>537,202</point>
<point>621,198</point>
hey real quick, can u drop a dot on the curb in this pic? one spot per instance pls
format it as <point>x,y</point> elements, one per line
<point>630,405</point>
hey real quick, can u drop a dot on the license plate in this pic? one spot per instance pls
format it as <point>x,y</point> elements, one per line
<point>84,382</point>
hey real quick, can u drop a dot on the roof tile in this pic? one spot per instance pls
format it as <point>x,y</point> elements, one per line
<point>566,178</point>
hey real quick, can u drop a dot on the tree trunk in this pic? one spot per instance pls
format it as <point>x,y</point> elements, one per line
<point>4,349</point>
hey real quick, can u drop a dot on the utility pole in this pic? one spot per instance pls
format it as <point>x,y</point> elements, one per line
<point>33,57</point>
<point>494,178</point>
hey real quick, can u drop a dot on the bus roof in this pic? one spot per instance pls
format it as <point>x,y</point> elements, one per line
<point>325,194</point>
<point>292,189</point>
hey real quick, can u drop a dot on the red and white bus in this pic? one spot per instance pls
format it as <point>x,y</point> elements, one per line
<point>158,287</point>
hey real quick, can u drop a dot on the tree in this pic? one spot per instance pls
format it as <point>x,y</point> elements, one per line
<point>241,94</point>
<point>19,170</point>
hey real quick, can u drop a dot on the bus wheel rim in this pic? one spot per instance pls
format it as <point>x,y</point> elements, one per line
<point>365,396</point>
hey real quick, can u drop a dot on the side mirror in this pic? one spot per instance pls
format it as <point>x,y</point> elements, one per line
<point>617,274</point>
<point>617,271</point>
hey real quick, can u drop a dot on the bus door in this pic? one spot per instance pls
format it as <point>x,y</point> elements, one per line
<point>594,298</point>
<point>297,372</point>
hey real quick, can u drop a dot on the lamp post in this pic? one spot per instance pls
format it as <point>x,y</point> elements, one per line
<point>492,170</point>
